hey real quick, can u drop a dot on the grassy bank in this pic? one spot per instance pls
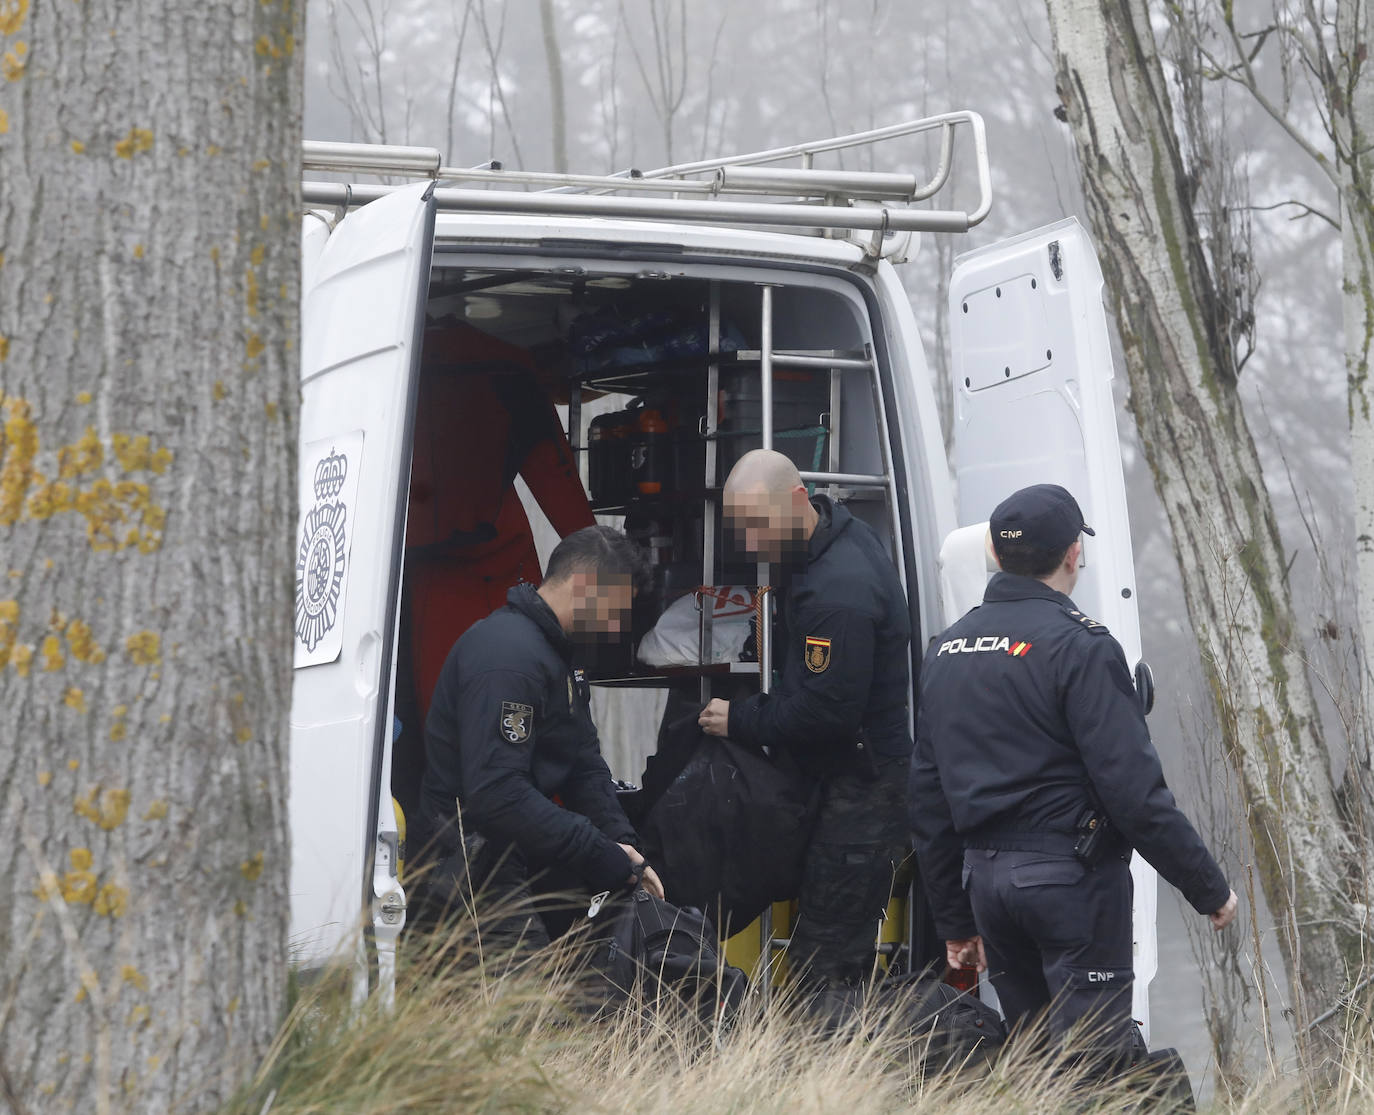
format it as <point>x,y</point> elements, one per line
<point>478,1033</point>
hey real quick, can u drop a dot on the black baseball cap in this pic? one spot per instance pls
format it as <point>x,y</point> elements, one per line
<point>1043,515</point>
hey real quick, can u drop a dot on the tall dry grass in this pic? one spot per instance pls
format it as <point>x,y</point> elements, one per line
<point>477,1032</point>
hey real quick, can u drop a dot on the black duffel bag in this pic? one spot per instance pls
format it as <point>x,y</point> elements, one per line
<point>917,1014</point>
<point>729,833</point>
<point>655,948</point>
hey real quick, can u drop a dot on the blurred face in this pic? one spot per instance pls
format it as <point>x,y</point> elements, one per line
<point>600,605</point>
<point>768,526</point>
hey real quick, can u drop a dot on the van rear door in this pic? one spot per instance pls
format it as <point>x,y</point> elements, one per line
<point>362,321</point>
<point>1032,366</point>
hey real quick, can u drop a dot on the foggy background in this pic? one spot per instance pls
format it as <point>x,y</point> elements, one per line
<point>653,82</point>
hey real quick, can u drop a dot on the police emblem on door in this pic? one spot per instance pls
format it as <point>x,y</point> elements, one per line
<point>817,654</point>
<point>329,520</point>
<point>322,554</point>
<point>516,721</point>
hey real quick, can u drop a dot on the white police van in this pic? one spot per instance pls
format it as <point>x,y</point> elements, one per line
<point>722,305</point>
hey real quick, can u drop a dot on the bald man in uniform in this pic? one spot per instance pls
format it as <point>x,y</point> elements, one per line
<point>841,708</point>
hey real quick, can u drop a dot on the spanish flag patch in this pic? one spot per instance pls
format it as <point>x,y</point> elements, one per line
<point>817,654</point>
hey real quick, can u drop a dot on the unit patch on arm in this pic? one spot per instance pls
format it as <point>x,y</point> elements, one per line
<point>517,720</point>
<point>817,654</point>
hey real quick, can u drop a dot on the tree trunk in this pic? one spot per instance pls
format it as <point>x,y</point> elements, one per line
<point>557,99</point>
<point>1350,103</point>
<point>1208,474</point>
<point>149,218</point>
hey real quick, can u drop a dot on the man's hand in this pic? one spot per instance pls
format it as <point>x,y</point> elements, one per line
<point>966,953</point>
<point>1226,915</point>
<point>649,878</point>
<point>715,718</point>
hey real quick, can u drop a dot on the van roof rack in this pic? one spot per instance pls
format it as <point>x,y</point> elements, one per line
<point>816,198</point>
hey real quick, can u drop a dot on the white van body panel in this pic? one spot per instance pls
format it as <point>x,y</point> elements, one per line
<point>360,314</point>
<point>1032,373</point>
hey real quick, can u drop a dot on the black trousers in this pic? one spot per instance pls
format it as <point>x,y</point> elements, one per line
<point>1058,940</point>
<point>858,841</point>
<point>515,911</point>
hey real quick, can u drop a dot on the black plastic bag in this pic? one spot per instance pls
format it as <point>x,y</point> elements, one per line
<point>729,833</point>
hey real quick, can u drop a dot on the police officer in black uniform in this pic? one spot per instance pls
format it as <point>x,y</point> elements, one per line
<point>510,727</point>
<point>1033,779</point>
<point>840,710</point>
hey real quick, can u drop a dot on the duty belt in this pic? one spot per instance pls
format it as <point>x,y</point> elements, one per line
<point>1053,843</point>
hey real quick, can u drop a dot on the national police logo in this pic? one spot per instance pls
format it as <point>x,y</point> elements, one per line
<point>322,554</point>
<point>817,654</point>
<point>516,721</point>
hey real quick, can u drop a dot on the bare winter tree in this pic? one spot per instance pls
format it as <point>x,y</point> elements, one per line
<point>663,63</point>
<point>1184,372</point>
<point>558,102</point>
<point>1323,46</point>
<point>149,215</point>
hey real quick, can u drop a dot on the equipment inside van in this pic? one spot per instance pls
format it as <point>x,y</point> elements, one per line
<point>520,352</point>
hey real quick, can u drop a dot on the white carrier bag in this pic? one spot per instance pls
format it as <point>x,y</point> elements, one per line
<point>676,638</point>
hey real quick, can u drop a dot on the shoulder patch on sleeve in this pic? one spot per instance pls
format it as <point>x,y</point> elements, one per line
<point>517,721</point>
<point>1086,622</point>
<point>817,654</point>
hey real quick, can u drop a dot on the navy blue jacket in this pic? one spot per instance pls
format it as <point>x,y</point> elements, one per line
<point>509,727</point>
<point>845,648</point>
<point>1028,716</point>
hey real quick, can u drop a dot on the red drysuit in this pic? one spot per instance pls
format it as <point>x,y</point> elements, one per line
<point>481,419</point>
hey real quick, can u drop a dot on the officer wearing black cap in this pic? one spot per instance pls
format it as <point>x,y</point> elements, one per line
<point>1033,779</point>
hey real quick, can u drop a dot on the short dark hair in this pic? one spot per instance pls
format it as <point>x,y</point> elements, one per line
<point>1028,561</point>
<point>600,549</point>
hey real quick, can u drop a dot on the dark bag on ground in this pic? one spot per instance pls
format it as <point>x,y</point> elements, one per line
<point>729,833</point>
<point>938,1026</point>
<point>1163,1077</point>
<point>657,949</point>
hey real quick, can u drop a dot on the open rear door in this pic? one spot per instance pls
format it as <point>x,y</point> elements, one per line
<point>1032,368</point>
<point>363,316</point>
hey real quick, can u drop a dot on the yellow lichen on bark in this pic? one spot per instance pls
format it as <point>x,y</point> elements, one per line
<point>157,810</point>
<point>53,658</point>
<point>108,809</point>
<point>82,643</point>
<point>4,121</point>
<point>78,886</point>
<point>74,699</point>
<point>9,629</point>
<point>18,448</point>
<point>250,869</point>
<point>12,16</point>
<point>136,142</point>
<point>83,456</point>
<point>144,648</point>
<point>112,901</point>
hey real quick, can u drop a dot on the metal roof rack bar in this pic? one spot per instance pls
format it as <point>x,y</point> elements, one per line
<point>370,158</point>
<point>874,218</point>
<point>732,176</point>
